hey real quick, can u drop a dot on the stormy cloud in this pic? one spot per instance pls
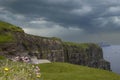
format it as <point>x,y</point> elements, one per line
<point>73,20</point>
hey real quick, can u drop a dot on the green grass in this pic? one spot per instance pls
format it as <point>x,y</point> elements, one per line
<point>4,26</point>
<point>65,71</point>
<point>6,32</point>
<point>80,45</point>
<point>2,58</point>
<point>53,71</point>
<point>6,38</point>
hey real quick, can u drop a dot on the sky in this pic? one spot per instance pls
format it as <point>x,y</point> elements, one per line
<point>71,20</point>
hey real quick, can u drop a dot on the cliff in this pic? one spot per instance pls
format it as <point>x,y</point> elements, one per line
<point>14,41</point>
<point>87,54</point>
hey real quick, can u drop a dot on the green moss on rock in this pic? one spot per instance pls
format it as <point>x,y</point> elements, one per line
<point>8,37</point>
<point>80,45</point>
<point>2,58</point>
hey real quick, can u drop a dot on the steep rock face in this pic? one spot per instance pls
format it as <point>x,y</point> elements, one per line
<point>29,45</point>
<point>85,54</point>
<point>52,49</point>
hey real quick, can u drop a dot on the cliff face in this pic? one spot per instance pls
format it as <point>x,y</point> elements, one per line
<point>29,45</point>
<point>85,54</point>
<point>54,50</point>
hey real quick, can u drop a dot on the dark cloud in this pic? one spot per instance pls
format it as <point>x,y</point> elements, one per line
<point>91,16</point>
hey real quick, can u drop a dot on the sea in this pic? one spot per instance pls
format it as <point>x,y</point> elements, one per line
<point>112,54</point>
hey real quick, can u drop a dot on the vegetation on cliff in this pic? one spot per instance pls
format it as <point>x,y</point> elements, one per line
<point>6,32</point>
<point>5,27</point>
<point>80,45</point>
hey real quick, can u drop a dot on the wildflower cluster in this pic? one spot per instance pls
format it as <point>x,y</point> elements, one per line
<point>25,59</point>
<point>19,71</point>
<point>37,71</point>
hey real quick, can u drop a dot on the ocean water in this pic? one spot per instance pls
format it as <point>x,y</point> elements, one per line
<point>112,54</point>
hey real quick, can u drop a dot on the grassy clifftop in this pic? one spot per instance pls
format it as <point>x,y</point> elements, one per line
<point>4,26</point>
<point>80,45</point>
<point>6,32</point>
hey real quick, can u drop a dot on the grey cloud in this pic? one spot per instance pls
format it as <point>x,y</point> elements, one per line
<point>60,11</point>
<point>92,16</point>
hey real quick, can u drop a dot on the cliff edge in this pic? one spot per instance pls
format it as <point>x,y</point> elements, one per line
<point>14,41</point>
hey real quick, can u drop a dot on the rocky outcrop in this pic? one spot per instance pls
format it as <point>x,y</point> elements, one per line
<point>29,45</point>
<point>54,50</point>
